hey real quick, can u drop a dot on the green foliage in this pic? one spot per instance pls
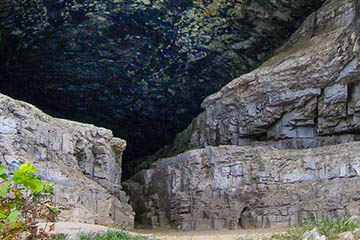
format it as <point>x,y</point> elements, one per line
<point>294,233</point>
<point>24,199</point>
<point>59,237</point>
<point>25,176</point>
<point>111,235</point>
<point>327,227</point>
<point>331,228</point>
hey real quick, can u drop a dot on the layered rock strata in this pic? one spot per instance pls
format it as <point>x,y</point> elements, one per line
<point>308,95</point>
<point>243,187</point>
<point>83,161</point>
<point>136,63</point>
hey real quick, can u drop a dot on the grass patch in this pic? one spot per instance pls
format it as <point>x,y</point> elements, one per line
<point>59,237</point>
<point>111,235</point>
<point>329,228</point>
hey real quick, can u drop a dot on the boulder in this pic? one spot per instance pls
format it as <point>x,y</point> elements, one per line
<point>313,235</point>
<point>346,236</point>
<point>82,160</point>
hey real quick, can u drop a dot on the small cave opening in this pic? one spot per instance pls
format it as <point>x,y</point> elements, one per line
<point>246,219</point>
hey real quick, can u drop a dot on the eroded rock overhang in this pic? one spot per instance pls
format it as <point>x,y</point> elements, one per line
<point>130,64</point>
<point>305,96</point>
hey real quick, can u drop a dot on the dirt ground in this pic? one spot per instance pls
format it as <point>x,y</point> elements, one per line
<point>213,235</point>
<point>73,229</point>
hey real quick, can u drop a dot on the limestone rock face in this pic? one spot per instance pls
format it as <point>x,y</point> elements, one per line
<point>244,187</point>
<point>300,98</point>
<point>305,97</point>
<point>83,161</point>
<point>128,64</point>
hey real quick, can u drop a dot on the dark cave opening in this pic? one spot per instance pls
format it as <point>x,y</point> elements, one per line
<point>125,67</point>
<point>142,140</point>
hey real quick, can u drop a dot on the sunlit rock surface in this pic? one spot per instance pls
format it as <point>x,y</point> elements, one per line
<point>305,97</point>
<point>82,160</point>
<point>233,187</point>
<point>128,65</point>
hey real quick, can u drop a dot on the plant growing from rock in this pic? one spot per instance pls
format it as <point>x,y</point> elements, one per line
<point>24,200</point>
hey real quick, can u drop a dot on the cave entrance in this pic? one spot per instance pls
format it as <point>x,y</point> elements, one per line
<point>247,219</point>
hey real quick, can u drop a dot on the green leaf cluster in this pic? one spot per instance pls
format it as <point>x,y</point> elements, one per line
<point>25,176</point>
<point>24,199</point>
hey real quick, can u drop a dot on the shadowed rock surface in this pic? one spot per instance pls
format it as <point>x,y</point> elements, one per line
<point>128,65</point>
<point>306,96</point>
<point>232,187</point>
<point>83,161</point>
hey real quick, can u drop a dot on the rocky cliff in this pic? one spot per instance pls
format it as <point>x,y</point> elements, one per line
<point>83,161</point>
<point>306,96</point>
<point>125,65</point>
<point>231,187</point>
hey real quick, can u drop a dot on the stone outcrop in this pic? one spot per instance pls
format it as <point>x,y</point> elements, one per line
<point>314,235</point>
<point>305,97</point>
<point>308,95</point>
<point>83,161</point>
<point>243,187</point>
<point>128,64</point>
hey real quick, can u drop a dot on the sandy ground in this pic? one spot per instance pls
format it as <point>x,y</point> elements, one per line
<point>73,229</point>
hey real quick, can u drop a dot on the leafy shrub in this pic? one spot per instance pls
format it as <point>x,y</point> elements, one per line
<point>24,199</point>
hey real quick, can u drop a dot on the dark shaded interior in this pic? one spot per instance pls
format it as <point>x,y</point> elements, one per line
<point>126,66</point>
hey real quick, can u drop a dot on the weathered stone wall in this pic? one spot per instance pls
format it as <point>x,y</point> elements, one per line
<point>243,187</point>
<point>300,98</point>
<point>83,161</point>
